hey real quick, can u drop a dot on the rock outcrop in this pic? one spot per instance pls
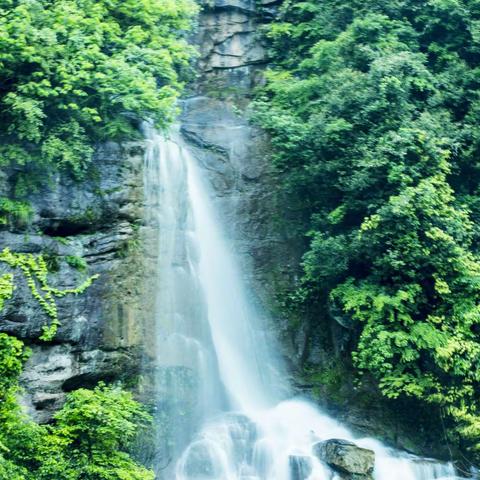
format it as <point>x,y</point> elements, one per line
<point>101,336</point>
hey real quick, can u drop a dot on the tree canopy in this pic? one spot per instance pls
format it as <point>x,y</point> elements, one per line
<point>77,72</point>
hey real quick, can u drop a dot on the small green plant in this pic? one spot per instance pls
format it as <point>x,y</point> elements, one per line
<point>62,240</point>
<point>88,217</point>
<point>14,212</point>
<point>6,288</point>
<point>52,261</point>
<point>328,380</point>
<point>78,263</point>
<point>128,247</point>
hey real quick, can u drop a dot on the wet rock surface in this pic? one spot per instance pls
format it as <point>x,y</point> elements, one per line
<point>346,458</point>
<point>98,220</point>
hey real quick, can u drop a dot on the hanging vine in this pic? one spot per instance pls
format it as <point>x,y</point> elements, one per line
<point>35,271</point>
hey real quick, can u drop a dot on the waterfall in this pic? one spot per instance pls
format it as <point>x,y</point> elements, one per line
<point>213,357</point>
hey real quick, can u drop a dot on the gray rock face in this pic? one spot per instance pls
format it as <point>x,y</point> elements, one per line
<point>351,461</point>
<point>101,336</point>
<point>231,50</point>
<point>235,48</point>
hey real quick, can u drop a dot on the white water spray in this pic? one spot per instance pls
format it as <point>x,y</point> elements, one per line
<point>246,429</point>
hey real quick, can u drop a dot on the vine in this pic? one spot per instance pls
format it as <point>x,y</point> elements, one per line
<point>35,270</point>
<point>6,288</point>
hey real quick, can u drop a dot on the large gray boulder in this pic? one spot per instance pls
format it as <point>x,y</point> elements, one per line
<point>346,458</point>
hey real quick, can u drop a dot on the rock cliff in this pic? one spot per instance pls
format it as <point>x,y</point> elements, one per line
<point>102,331</point>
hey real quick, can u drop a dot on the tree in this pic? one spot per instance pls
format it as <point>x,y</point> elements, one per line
<point>89,439</point>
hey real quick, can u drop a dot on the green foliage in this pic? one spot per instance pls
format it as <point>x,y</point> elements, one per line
<point>6,288</point>
<point>373,112</point>
<point>12,357</point>
<point>330,380</point>
<point>98,426</point>
<point>14,212</point>
<point>88,440</point>
<point>13,428</point>
<point>76,72</point>
<point>78,263</point>
<point>35,271</point>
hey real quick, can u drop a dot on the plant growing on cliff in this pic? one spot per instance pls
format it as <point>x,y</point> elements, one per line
<point>88,439</point>
<point>12,357</point>
<point>373,112</point>
<point>77,72</point>
<point>97,427</point>
<point>14,212</point>
<point>35,271</point>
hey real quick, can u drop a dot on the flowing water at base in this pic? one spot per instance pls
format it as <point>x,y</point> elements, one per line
<point>241,426</point>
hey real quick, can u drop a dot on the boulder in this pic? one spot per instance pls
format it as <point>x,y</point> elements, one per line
<point>346,458</point>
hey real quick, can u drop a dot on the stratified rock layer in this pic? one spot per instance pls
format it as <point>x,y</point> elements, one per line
<point>102,332</point>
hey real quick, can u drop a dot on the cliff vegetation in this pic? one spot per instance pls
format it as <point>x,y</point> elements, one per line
<point>373,111</point>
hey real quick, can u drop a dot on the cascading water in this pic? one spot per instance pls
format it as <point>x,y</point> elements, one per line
<point>241,426</point>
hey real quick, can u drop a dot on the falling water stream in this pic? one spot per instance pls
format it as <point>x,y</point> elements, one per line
<point>242,426</point>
